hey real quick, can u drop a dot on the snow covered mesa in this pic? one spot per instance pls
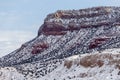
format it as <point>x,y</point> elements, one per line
<point>67,33</point>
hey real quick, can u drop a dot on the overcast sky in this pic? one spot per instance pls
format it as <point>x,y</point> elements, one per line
<point>20,19</point>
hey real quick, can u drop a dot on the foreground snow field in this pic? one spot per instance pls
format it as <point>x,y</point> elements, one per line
<point>95,66</point>
<point>10,73</point>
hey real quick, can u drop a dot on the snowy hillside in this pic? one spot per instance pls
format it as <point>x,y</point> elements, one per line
<point>95,66</point>
<point>64,34</point>
<point>10,73</point>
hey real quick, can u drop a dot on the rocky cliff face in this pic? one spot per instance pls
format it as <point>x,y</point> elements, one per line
<point>66,33</point>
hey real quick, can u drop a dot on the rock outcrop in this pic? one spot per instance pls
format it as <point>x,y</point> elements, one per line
<point>66,33</point>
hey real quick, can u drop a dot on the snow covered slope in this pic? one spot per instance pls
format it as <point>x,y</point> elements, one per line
<point>102,66</point>
<point>95,66</point>
<point>10,73</point>
<point>63,34</point>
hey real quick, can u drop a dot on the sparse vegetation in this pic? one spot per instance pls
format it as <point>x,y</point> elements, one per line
<point>68,64</point>
<point>96,60</point>
<point>82,75</point>
<point>99,60</point>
